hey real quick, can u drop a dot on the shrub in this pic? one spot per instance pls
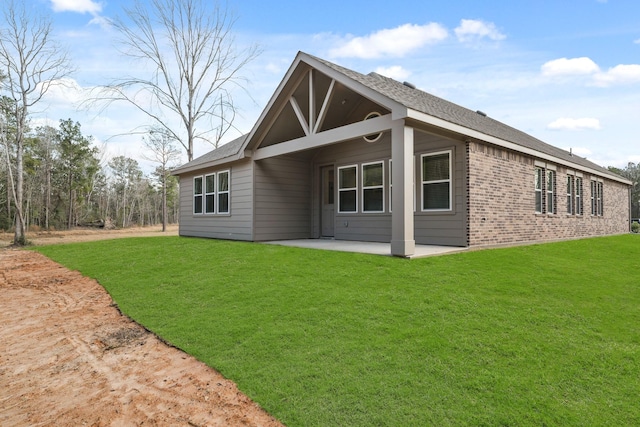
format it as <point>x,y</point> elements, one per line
<point>635,227</point>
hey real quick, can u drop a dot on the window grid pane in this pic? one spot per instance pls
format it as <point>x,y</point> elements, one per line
<point>436,196</point>
<point>223,203</point>
<point>435,168</point>
<point>223,181</point>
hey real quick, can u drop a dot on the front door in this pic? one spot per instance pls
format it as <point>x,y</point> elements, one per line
<point>327,214</point>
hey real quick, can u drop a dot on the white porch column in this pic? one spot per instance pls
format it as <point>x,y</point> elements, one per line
<point>402,234</point>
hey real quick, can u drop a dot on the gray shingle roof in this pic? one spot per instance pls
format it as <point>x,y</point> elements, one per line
<point>227,150</point>
<point>424,102</point>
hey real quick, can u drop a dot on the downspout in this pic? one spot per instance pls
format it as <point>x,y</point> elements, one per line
<point>630,207</point>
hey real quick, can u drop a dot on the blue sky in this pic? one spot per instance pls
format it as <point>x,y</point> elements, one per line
<point>567,72</point>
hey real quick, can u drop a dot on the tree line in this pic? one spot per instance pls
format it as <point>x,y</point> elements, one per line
<point>67,183</point>
<point>54,177</point>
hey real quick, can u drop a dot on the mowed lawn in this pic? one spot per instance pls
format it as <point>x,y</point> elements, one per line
<point>532,335</point>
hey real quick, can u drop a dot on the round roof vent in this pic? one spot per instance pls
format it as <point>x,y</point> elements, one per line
<point>376,136</point>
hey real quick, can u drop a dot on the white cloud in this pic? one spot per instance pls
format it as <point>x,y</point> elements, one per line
<point>565,123</point>
<point>637,41</point>
<point>273,68</point>
<point>79,6</point>
<point>395,72</point>
<point>620,74</point>
<point>395,42</point>
<point>65,92</point>
<point>472,30</point>
<point>569,67</point>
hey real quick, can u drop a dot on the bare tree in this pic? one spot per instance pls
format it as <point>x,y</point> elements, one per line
<point>166,155</point>
<point>32,63</point>
<point>193,65</point>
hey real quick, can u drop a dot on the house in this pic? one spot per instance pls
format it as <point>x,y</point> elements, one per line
<point>343,155</point>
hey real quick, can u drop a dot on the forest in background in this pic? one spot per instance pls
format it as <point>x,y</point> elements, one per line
<point>69,183</point>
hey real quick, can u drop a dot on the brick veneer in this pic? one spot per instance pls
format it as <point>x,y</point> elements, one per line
<point>501,208</point>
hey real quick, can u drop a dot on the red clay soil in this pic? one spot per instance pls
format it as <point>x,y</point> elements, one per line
<point>68,357</point>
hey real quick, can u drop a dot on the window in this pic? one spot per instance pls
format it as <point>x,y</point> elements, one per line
<point>551,185</point>
<point>373,187</point>
<point>578,188</point>
<point>197,195</point>
<point>600,199</point>
<point>223,192</point>
<point>594,198</point>
<point>538,187</point>
<point>210,194</point>
<point>347,189</point>
<point>597,198</point>
<point>570,192</point>
<point>436,181</point>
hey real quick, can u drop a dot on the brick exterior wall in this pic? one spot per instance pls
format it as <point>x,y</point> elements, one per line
<point>501,201</point>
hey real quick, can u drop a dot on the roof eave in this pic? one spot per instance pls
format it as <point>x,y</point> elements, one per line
<point>426,118</point>
<point>191,168</point>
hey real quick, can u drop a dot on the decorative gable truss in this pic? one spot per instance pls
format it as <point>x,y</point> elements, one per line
<point>311,121</point>
<point>318,110</point>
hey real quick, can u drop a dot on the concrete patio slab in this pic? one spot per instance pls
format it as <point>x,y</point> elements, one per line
<point>374,248</point>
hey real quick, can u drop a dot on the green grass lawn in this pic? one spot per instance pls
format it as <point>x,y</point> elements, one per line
<point>533,335</point>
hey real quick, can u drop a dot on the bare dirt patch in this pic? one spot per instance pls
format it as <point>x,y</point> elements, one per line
<point>39,238</point>
<point>69,357</point>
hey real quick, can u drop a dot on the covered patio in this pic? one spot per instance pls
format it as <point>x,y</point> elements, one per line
<point>374,248</point>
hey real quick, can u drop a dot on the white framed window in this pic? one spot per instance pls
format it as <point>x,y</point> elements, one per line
<point>373,187</point>
<point>550,187</point>
<point>223,192</point>
<point>538,189</point>
<point>570,195</point>
<point>600,196</point>
<point>210,193</point>
<point>348,189</point>
<point>197,195</point>
<point>594,198</point>
<point>436,181</point>
<point>578,193</point>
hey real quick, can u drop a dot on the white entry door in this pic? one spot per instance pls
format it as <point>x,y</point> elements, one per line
<point>327,214</point>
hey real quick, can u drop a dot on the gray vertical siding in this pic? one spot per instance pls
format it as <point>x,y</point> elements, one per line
<point>235,226</point>
<point>282,205</point>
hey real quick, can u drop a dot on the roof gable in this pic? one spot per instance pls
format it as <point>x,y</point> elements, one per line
<point>312,99</point>
<point>316,95</point>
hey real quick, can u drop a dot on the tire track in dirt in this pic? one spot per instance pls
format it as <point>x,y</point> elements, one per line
<point>68,357</point>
